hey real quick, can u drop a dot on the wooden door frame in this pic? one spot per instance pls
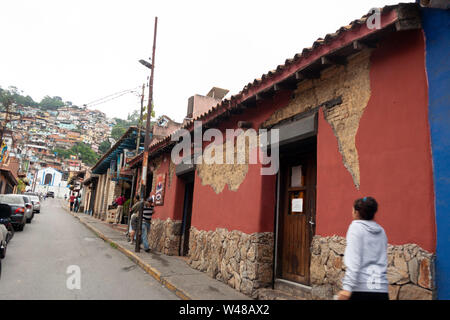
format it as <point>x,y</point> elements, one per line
<point>188,179</point>
<point>289,152</point>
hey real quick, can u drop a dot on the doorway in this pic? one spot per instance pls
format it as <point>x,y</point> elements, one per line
<point>187,212</point>
<point>297,210</point>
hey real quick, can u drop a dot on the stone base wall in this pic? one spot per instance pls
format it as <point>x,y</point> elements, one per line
<point>410,270</point>
<point>165,236</point>
<point>243,261</point>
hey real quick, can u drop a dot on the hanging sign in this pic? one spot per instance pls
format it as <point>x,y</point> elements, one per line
<point>159,189</point>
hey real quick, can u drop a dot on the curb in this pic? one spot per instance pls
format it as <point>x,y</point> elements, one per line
<point>133,257</point>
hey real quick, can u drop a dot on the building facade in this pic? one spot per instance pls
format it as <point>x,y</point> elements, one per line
<point>353,117</point>
<point>50,179</point>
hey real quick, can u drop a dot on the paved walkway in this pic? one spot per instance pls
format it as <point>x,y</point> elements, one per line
<point>171,271</point>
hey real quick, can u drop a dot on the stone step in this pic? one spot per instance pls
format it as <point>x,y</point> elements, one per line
<point>293,288</point>
<point>272,294</point>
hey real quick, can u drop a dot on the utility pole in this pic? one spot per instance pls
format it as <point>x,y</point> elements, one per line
<point>146,144</point>
<point>138,143</point>
<point>140,121</point>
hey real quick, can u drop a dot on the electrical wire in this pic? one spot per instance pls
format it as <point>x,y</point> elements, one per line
<point>104,101</point>
<point>111,97</point>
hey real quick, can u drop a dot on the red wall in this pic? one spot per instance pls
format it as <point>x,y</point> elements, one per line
<point>251,208</point>
<point>393,144</point>
<point>173,194</point>
<point>394,152</point>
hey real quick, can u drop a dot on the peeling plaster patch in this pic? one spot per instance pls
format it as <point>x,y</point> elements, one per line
<point>171,170</point>
<point>344,119</point>
<point>352,82</point>
<point>219,175</point>
<point>304,99</point>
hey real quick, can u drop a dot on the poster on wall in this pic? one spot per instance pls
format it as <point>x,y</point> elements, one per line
<point>159,189</point>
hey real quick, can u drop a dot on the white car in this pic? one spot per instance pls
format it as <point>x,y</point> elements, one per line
<point>36,203</point>
<point>29,212</point>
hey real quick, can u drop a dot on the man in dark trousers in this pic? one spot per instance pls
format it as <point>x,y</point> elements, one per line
<point>119,213</point>
<point>72,200</point>
<point>147,213</point>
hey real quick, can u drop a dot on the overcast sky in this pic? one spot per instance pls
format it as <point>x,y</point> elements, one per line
<point>85,50</point>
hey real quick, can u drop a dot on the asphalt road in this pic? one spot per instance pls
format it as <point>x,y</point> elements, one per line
<point>38,259</point>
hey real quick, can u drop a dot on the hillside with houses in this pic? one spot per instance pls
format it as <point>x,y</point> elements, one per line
<point>66,138</point>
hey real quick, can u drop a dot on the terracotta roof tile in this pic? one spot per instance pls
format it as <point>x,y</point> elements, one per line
<point>305,52</point>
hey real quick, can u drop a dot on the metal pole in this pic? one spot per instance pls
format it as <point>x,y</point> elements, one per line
<point>146,144</point>
<point>131,198</point>
<point>138,143</point>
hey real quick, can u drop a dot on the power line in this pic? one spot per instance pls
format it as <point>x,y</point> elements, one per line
<point>111,97</point>
<point>104,101</point>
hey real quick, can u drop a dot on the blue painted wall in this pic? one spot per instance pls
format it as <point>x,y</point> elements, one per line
<point>436,25</point>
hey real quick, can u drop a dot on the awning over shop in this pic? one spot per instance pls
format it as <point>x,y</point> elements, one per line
<point>90,180</point>
<point>9,175</point>
<point>127,141</point>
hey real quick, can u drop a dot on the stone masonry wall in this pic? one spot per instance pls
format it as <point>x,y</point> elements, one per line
<point>243,261</point>
<point>165,236</point>
<point>410,270</point>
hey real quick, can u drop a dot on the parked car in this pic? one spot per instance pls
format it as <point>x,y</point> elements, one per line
<point>29,208</point>
<point>5,220</point>
<point>5,228</point>
<point>3,241</point>
<point>35,201</point>
<point>50,194</point>
<point>19,209</point>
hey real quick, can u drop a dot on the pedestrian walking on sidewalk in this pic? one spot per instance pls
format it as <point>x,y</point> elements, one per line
<point>365,255</point>
<point>119,213</point>
<point>133,227</point>
<point>134,218</point>
<point>75,205</point>
<point>72,200</point>
<point>147,213</point>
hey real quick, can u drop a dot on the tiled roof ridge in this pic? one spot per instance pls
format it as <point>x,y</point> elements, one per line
<point>225,103</point>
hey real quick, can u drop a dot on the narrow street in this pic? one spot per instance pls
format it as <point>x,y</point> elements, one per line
<point>37,260</point>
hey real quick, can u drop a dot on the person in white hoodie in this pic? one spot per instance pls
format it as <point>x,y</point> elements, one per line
<point>365,255</point>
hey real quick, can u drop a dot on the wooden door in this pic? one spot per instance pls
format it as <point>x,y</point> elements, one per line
<point>297,216</point>
<point>187,213</point>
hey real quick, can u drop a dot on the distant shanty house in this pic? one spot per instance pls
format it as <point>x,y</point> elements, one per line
<point>68,125</point>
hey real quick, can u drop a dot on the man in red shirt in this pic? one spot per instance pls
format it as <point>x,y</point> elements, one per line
<point>71,200</point>
<point>120,201</point>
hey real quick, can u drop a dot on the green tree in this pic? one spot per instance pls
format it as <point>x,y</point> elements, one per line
<point>118,131</point>
<point>81,150</point>
<point>104,146</point>
<point>87,155</point>
<point>51,103</point>
<point>133,118</point>
<point>21,186</point>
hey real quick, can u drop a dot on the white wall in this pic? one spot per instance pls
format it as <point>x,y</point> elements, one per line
<point>56,185</point>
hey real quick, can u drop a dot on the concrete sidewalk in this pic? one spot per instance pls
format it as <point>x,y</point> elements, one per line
<point>171,271</point>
